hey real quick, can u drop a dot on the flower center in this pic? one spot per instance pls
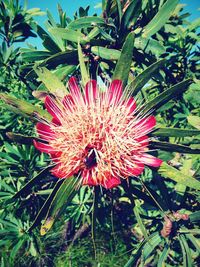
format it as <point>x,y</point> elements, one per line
<point>90,160</point>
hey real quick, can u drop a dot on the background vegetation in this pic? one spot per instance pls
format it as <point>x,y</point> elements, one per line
<point>153,46</point>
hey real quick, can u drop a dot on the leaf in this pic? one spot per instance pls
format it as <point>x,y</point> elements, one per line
<point>106,53</point>
<point>51,81</point>
<point>195,216</point>
<point>16,248</point>
<point>174,132</point>
<point>172,173</point>
<point>160,18</point>
<point>153,241</point>
<point>149,45</point>
<point>163,256</point>
<point>139,221</point>
<point>20,138</point>
<point>69,35</point>
<point>24,108</point>
<point>84,73</point>
<point>165,96</point>
<point>130,15</point>
<point>194,121</point>
<point>187,258</point>
<point>28,55</point>
<point>62,197</point>
<point>86,22</point>
<point>173,147</point>
<point>143,77</point>
<point>27,188</point>
<point>122,68</point>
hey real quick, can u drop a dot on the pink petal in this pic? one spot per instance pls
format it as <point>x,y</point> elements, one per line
<point>150,160</point>
<point>91,92</point>
<point>52,108</point>
<point>111,182</point>
<point>143,140</point>
<point>74,89</point>
<point>131,105</point>
<point>46,148</point>
<point>58,171</point>
<point>137,170</point>
<point>115,92</point>
<point>68,102</point>
<point>87,178</point>
<point>147,124</point>
<point>44,131</point>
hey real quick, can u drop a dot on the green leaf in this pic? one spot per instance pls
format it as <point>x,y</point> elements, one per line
<point>165,96</point>
<point>62,197</point>
<point>143,77</point>
<point>174,132</point>
<point>153,241</point>
<point>160,18</point>
<point>16,248</point>
<point>173,147</point>
<point>194,121</point>
<point>84,73</point>
<point>106,53</point>
<point>119,8</point>
<point>24,108</point>
<point>28,55</point>
<point>187,258</point>
<point>86,22</point>
<point>20,138</point>
<point>195,216</point>
<point>149,45</point>
<point>69,35</point>
<point>122,68</point>
<point>51,81</point>
<point>139,221</point>
<point>130,15</point>
<point>172,173</point>
<point>27,188</point>
<point>163,256</point>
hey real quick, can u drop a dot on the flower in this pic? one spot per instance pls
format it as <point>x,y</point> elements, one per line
<point>97,135</point>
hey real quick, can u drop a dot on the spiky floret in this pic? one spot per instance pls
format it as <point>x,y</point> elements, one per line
<point>99,135</point>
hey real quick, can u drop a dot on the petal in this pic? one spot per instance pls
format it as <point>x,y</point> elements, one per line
<point>131,105</point>
<point>91,92</point>
<point>52,108</point>
<point>139,168</point>
<point>68,102</point>
<point>44,131</point>
<point>46,148</point>
<point>143,140</point>
<point>111,182</point>
<point>75,90</point>
<point>115,92</point>
<point>146,125</point>
<point>150,160</point>
<point>58,171</point>
<point>87,178</point>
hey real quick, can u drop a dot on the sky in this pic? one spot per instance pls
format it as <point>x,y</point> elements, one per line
<point>71,6</point>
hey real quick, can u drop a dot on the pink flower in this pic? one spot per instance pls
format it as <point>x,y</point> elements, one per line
<point>96,135</point>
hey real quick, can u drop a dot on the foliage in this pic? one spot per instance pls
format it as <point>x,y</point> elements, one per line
<point>154,219</point>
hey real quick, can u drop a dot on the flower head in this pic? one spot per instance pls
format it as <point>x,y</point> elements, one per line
<point>97,135</point>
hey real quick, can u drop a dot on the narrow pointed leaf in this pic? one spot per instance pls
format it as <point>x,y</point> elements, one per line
<point>150,246</point>
<point>69,35</point>
<point>123,66</point>
<point>145,76</point>
<point>51,81</point>
<point>139,221</point>
<point>173,147</point>
<point>160,18</point>
<point>86,22</point>
<point>163,256</point>
<point>106,53</point>
<point>20,138</point>
<point>187,259</point>
<point>172,173</point>
<point>174,132</point>
<point>84,72</point>
<point>62,197</point>
<point>167,95</point>
<point>24,108</point>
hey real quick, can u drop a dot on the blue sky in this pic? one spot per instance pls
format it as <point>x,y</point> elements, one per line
<point>70,6</point>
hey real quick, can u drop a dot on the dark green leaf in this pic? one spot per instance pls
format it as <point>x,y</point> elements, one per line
<point>84,73</point>
<point>153,241</point>
<point>174,132</point>
<point>69,35</point>
<point>163,256</point>
<point>106,53</point>
<point>85,22</point>
<point>122,68</point>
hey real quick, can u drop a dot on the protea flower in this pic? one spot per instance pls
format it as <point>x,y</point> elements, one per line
<point>99,136</point>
